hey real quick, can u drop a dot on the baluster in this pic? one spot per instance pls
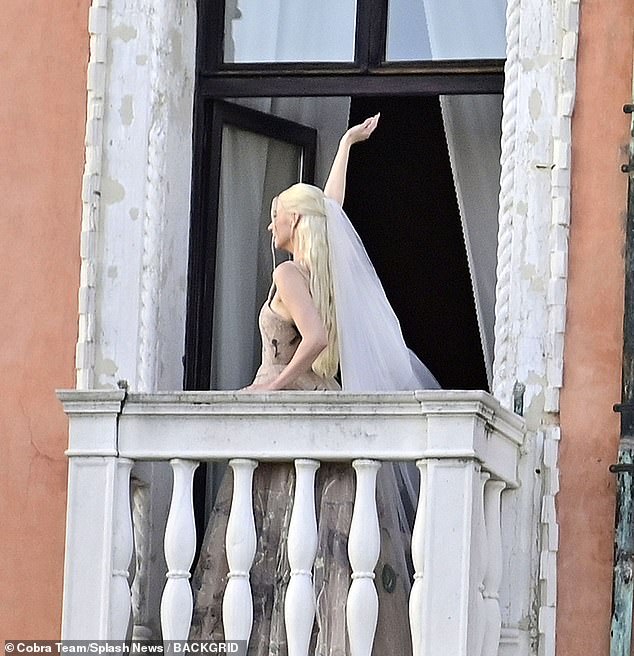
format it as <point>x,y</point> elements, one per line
<point>493,577</point>
<point>476,607</point>
<point>363,550</point>
<point>299,605</point>
<point>237,604</point>
<point>122,546</point>
<point>141,510</point>
<point>180,547</point>
<point>416,598</point>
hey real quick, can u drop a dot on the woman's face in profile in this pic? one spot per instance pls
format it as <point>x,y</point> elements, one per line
<point>281,226</point>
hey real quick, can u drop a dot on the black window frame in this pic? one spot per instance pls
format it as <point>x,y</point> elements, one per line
<point>225,79</point>
<point>215,114</point>
<point>216,81</point>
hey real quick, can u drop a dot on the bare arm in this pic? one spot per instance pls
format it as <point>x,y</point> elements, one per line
<point>296,299</point>
<point>335,187</point>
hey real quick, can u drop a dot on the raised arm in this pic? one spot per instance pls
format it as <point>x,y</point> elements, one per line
<point>336,184</point>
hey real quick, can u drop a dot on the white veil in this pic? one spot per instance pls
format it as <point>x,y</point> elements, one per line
<point>373,353</point>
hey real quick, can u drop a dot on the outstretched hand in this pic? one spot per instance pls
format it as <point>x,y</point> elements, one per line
<point>362,131</point>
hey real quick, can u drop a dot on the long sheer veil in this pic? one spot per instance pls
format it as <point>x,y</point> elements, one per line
<point>373,353</point>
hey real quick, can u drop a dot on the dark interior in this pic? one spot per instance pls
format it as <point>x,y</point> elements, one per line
<point>401,198</point>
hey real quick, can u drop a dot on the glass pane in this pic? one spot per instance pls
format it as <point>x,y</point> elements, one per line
<point>254,169</point>
<point>446,29</point>
<point>295,31</point>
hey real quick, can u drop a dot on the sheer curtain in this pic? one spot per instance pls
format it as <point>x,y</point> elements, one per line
<point>472,129</point>
<point>445,29</point>
<point>283,30</point>
<point>253,169</point>
<point>465,29</point>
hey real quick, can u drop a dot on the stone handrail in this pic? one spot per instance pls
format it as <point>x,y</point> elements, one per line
<point>464,443</point>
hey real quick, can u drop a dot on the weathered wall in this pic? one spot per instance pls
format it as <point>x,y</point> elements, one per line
<point>44,51</point>
<point>592,357</point>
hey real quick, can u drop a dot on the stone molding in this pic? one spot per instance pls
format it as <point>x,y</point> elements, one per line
<point>154,196</point>
<point>91,192</point>
<point>560,213</point>
<point>502,380</point>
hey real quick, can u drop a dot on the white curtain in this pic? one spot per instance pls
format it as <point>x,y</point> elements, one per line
<point>446,29</point>
<point>253,170</point>
<point>472,128</point>
<point>467,29</point>
<point>284,31</point>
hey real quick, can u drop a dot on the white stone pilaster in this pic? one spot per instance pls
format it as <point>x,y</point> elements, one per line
<point>136,194</point>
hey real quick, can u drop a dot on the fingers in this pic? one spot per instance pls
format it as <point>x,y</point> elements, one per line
<point>369,125</point>
<point>362,131</point>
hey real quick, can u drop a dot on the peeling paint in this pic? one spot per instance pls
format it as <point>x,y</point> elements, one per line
<point>105,372</point>
<point>176,50</point>
<point>124,32</point>
<point>108,367</point>
<point>111,191</point>
<point>134,213</point>
<point>528,272</point>
<point>534,414</point>
<point>126,110</point>
<point>537,62</point>
<point>521,207</point>
<point>141,60</point>
<point>535,104</point>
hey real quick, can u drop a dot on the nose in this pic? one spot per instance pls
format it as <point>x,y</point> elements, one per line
<point>270,227</point>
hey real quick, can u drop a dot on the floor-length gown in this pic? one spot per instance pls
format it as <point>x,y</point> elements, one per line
<point>273,486</point>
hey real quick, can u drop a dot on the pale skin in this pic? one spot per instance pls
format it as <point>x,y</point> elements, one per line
<point>292,299</point>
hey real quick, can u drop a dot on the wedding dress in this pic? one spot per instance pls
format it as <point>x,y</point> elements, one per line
<point>273,483</point>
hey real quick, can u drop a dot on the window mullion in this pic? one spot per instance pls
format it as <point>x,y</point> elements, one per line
<point>362,35</point>
<point>377,33</point>
<point>210,35</point>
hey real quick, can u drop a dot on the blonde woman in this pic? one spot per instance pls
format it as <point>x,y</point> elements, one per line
<point>326,312</point>
<point>302,294</point>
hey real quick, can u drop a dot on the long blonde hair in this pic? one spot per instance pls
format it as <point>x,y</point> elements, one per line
<point>310,249</point>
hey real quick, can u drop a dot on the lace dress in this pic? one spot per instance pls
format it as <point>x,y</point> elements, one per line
<point>273,486</point>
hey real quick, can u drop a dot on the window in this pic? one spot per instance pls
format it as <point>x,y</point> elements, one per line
<point>316,64</point>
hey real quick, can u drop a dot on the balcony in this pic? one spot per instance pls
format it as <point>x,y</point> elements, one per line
<point>465,445</point>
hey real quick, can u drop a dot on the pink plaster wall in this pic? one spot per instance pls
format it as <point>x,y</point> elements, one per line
<point>594,339</point>
<point>43,55</point>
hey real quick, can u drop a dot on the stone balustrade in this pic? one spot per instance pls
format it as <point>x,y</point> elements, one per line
<point>465,445</point>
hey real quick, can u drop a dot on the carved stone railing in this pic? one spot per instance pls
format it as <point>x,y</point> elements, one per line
<point>465,445</point>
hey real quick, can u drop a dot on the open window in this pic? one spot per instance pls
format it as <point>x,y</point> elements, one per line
<point>248,157</point>
<point>426,209</point>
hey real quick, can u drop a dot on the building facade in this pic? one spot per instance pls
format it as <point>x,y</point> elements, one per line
<point>546,290</point>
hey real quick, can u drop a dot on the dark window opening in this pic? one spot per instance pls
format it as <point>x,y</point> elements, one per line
<point>401,198</point>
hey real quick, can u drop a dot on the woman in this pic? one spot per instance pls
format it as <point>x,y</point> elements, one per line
<point>302,291</point>
<point>326,311</point>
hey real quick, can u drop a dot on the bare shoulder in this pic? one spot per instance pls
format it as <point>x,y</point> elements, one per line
<point>289,273</point>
